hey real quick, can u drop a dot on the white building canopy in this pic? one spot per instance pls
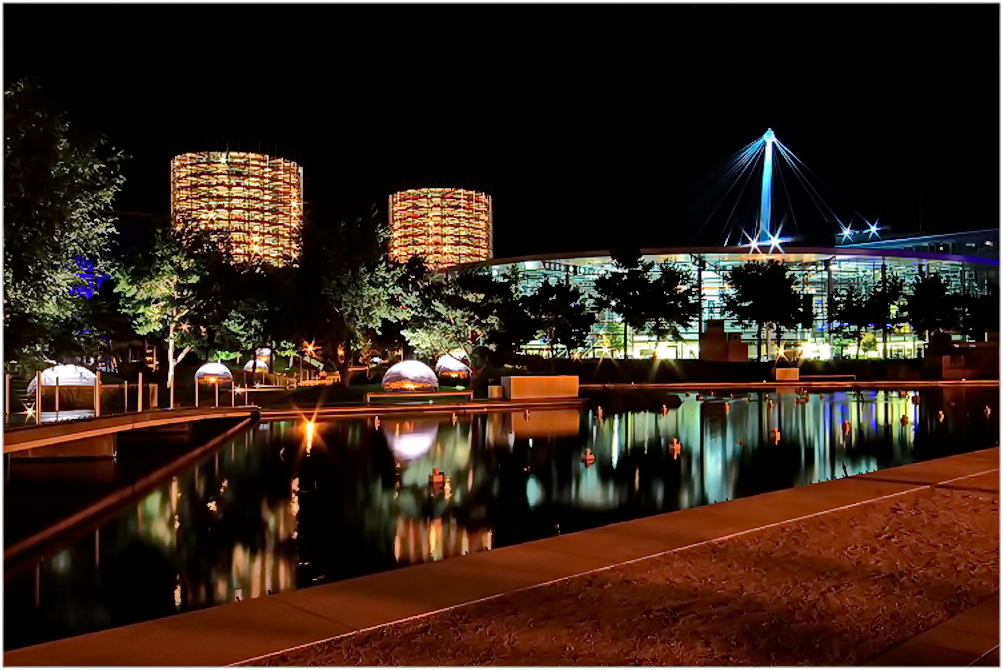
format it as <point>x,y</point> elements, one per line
<point>68,375</point>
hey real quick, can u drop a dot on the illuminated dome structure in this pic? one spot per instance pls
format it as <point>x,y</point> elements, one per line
<point>445,226</point>
<point>410,376</point>
<point>255,365</point>
<point>213,373</point>
<point>67,375</point>
<point>452,368</point>
<point>250,201</point>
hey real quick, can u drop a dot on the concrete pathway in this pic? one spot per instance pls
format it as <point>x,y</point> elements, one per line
<point>971,638</point>
<point>258,628</point>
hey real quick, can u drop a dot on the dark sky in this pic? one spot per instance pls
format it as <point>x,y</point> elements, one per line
<point>594,126</point>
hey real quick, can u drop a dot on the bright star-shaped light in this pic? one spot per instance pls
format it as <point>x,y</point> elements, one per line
<point>872,229</point>
<point>752,243</point>
<point>29,412</point>
<point>186,326</point>
<point>847,232</point>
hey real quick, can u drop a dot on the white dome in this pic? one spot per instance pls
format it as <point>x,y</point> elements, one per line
<point>68,375</point>
<point>451,367</point>
<point>212,372</point>
<point>256,364</point>
<point>410,376</point>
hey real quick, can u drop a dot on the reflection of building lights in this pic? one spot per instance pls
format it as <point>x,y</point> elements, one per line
<point>252,201</point>
<point>211,505</point>
<point>309,430</point>
<point>407,385</point>
<point>445,226</point>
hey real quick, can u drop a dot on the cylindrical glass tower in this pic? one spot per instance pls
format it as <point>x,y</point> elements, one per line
<point>251,202</point>
<point>445,226</point>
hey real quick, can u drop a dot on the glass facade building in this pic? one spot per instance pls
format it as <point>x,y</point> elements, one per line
<point>820,274</point>
<point>251,202</point>
<point>445,226</point>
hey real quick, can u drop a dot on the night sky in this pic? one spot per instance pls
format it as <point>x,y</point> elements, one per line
<point>593,126</point>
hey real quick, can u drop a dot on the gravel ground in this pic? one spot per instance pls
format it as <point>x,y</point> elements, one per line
<point>831,590</point>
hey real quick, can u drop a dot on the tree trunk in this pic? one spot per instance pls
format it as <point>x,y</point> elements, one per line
<point>860,341</point>
<point>343,367</point>
<point>759,341</point>
<point>626,330</point>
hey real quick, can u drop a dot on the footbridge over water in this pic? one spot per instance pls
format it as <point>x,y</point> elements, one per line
<point>97,437</point>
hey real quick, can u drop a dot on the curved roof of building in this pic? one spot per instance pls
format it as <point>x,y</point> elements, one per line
<point>790,255</point>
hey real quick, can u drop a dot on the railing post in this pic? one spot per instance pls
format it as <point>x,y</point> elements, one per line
<point>216,384</point>
<point>232,395</point>
<point>171,389</point>
<point>57,397</point>
<point>38,397</point>
<point>196,392</point>
<point>125,396</point>
<point>97,394</point>
<point>139,395</point>
<point>6,400</point>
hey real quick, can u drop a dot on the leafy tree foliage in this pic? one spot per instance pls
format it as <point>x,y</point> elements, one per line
<point>849,314</point>
<point>178,292</point>
<point>980,315</point>
<point>472,311</point>
<point>882,304</point>
<point>763,293</point>
<point>661,304</point>
<point>562,316</point>
<point>627,291</point>
<point>676,303</point>
<point>930,307</point>
<point>59,184</point>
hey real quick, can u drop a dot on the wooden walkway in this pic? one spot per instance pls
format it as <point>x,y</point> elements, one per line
<point>33,437</point>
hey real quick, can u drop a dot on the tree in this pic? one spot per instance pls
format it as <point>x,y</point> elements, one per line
<point>561,315</point>
<point>930,307</point>
<point>347,287</point>
<point>980,315</point>
<point>882,304</point>
<point>849,314</point>
<point>471,311</point>
<point>763,293</point>
<point>59,184</point>
<point>627,291</point>
<point>170,291</point>
<point>675,303</point>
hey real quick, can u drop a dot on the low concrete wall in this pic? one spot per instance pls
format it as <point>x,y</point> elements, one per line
<point>556,386</point>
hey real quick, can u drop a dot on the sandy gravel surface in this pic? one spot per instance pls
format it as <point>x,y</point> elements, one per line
<point>831,590</point>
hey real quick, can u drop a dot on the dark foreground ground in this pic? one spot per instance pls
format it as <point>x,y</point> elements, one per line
<point>836,589</point>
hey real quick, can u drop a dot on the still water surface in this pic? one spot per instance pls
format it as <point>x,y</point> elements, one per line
<point>285,506</point>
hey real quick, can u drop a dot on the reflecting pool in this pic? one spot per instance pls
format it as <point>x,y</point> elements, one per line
<point>287,505</point>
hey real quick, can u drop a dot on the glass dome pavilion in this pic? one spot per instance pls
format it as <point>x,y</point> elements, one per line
<point>821,273</point>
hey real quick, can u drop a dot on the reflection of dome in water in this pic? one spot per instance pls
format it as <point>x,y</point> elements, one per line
<point>447,366</point>
<point>410,376</point>
<point>410,439</point>
<point>213,372</point>
<point>68,375</point>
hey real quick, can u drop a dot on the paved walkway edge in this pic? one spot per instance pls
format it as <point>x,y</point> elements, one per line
<point>966,639</point>
<point>255,629</point>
